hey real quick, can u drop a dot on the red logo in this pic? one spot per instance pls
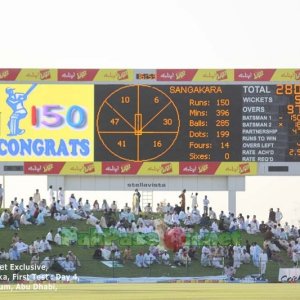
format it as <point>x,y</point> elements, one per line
<point>166,168</point>
<point>244,168</point>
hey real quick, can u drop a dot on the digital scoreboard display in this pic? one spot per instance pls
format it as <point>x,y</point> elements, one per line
<point>250,122</point>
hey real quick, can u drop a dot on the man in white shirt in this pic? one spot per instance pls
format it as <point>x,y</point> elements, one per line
<point>87,207</point>
<point>44,245</point>
<point>245,257</point>
<point>61,196</point>
<point>165,258</point>
<point>278,216</point>
<point>37,196</point>
<point>205,205</point>
<point>4,217</point>
<point>194,200</point>
<point>50,194</point>
<point>49,237</point>
<point>263,259</point>
<point>296,253</point>
<point>139,260</point>
<point>21,246</point>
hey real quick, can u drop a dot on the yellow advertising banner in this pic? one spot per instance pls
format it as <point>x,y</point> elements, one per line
<point>81,168</point>
<point>37,75</point>
<point>114,75</point>
<point>41,122</point>
<point>159,168</point>
<point>214,75</point>
<point>286,75</point>
<point>237,168</point>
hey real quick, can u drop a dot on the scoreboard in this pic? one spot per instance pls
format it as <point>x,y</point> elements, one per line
<point>226,122</point>
<point>217,122</point>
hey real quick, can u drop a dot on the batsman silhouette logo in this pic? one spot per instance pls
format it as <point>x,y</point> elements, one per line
<point>16,102</point>
<point>46,122</point>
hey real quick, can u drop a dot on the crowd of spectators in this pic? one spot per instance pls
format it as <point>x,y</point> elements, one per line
<point>277,236</point>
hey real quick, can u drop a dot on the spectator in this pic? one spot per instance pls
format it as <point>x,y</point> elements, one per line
<point>182,201</point>
<point>272,215</point>
<point>165,258</point>
<point>278,216</point>
<point>205,205</point>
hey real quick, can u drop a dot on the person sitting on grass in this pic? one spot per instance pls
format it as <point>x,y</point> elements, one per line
<point>68,265</point>
<point>47,262</point>
<point>229,271</point>
<point>23,220</point>
<point>57,237</point>
<point>21,246</point>
<point>35,260</point>
<point>139,260</point>
<point>127,255</point>
<point>3,254</point>
<point>45,245</point>
<point>91,220</point>
<point>117,256</point>
<point>13,253</point>
<point>245,257</point>
<point>98,253</point>
<point>40,220</point>
<point>149,259</point>
<point>73,258</point>
<point>5,217</point>
<point>165,258</point>
<point>13,224</point>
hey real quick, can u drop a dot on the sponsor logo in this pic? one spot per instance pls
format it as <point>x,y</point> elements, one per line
<point>221,74</point>
<point>88,168</point>
<point>4,74</point>
<point>45,74</point>
<point>122,74</point>
<point>125,168</point>
<point>258,74</point>
<point>81,75</point>
<point>244,168</point>
<point>166,168</point>
<point>180,75</point>
<point>47,168</point>
<point>203,168</point>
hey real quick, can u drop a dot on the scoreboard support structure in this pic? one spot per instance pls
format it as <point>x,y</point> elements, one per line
<point>231,184</point>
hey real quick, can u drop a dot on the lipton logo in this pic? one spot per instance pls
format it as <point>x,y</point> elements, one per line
<point>4,74</point>
<point>244,168</point>
<point>180,75</point>
<point>45,74</point>
<point>202,168</point>
<point>166,168</point>
<point>258,74</point>
<point>122,74</point>
<point>297,74</point>
<point>81,75</point>
<point>125,168</point>
<point>48,168</point>
<point>221,74</point>
<point>88,168</point>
